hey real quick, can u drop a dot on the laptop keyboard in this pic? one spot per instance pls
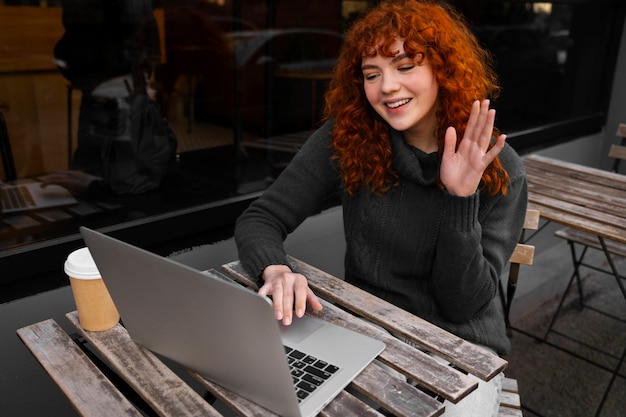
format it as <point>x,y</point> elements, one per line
<point>308,372</point>
<point>16,197</point>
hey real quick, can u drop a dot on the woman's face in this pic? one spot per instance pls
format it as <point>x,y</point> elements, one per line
<point>403,91</point>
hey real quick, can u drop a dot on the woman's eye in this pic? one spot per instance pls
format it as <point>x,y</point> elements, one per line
<point>369,77</point>
<point>406,68</point>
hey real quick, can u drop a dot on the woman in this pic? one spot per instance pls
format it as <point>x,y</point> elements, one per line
<point>433,198</point>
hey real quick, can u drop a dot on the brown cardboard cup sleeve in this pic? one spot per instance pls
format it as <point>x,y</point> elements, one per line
<point>96,310</point>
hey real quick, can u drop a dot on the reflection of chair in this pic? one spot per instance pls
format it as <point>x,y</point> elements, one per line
<point>10,174</point>
<point>522,255</point>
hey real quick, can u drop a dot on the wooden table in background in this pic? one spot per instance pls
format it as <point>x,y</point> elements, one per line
<point>586,199</point>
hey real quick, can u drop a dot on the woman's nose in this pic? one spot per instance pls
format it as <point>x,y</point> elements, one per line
<point>389,83</point>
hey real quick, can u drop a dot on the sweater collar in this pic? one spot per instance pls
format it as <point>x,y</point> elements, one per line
<point>411,163</point>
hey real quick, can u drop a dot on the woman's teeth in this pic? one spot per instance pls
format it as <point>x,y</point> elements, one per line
<point>398,103</point>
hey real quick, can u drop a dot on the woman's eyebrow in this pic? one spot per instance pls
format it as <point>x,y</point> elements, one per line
<point>395,59</point>
<point>399,57</point>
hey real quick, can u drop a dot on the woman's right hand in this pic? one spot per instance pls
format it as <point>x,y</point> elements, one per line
<point>289,291</point>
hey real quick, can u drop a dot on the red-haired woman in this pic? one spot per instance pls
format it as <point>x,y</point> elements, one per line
<point>433,198</point>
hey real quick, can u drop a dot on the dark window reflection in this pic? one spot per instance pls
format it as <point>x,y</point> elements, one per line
<point>553,59</point>
<point>238,86</point>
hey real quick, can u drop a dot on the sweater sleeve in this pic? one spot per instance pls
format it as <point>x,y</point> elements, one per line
<point>477,239</point>
<point>298,192</point>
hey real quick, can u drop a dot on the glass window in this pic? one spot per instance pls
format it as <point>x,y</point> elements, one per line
<point>162,113</point>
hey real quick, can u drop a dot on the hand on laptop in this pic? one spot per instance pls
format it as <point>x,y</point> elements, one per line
<point>76,182</point>
<point>290,292</point>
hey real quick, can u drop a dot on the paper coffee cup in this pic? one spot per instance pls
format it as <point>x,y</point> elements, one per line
<point>95,307</point>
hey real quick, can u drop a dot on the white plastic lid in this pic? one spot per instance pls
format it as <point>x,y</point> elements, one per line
<point>80,264</point>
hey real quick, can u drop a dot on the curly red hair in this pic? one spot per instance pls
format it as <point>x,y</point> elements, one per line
<point>462,68</point>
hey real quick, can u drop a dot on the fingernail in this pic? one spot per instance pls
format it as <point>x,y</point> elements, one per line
<point>300,313</point>
<point>279,315</point>
<point>287,321</point>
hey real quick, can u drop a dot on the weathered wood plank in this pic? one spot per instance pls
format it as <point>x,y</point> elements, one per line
<point>509,412</point>
<point>531,221</point>
<point>461,353</point>
<point>509,385</point>
<point>86,387</point>
<point>577,190</point>
<point>158,385</point>
<point>510,399</point>
<point>617,152</point>
<point>575,208</point>
<point>577,187</point>
<point>571,215</point>
<point>456,350</point>
<point>396,396</point>
<point>589,239</point>
<point>238,404</point>
<point>523,254</point>
<point>594,175</point>
<point>346,404</point>
<point>415,364</point>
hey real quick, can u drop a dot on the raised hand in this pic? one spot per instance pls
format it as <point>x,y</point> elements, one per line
<point>463,167</point>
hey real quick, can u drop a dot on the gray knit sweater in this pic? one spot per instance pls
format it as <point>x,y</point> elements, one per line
<point>434,254</point>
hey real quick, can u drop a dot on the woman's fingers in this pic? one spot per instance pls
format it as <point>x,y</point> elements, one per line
<point>290,293</point>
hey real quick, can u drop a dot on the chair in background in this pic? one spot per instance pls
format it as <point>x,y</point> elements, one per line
<point>618,152</point>
<point>10,173</point>
<point>522,255</point>
<point>510,403</point>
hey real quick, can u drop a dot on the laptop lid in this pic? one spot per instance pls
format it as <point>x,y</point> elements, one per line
<point>221,329</point>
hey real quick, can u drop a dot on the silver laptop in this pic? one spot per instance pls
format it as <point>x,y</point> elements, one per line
<point>228,333</point>
<point>25,196</point>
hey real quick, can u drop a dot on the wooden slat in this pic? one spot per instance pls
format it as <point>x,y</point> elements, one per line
<point>158,385</point>
<point>238,404</point>
<point>588,199</point>
<point>510,400</point>
<point>509,412</point>
<point>595,175</point>
<point>523,254</point>
<point>394,395</point>
<point>589,239</point>
<point>510,385</point>
<point>345,404</point>
<point>510,404</point>
<point>617,152</point>
<point>553,211</point>
<point>461,353</point>
<point>87,388</point>
<point>576,187</point>
<point>604,205</point>
<point>621,130</point>
<point>531,221</point>
<point>416,365</point>
<point>456,350</point>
